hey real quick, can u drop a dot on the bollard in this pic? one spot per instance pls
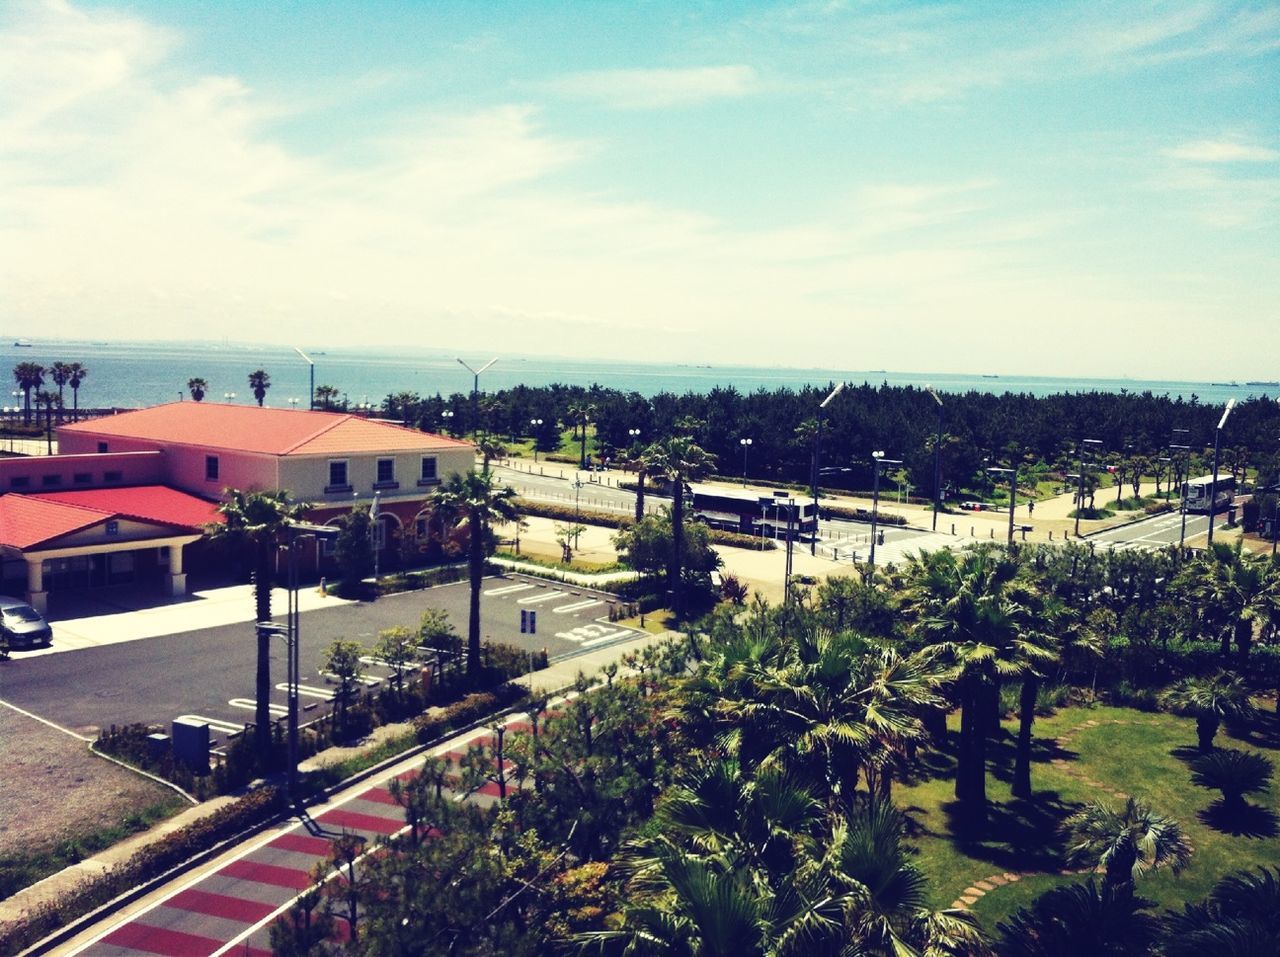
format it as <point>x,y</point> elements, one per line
<point>953,528</point>
<point>322,589</point>
<point>1050,534</point>
<point>971,535</point>
<point>993,532</point>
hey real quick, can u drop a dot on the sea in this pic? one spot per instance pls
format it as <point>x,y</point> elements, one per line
<point>134,374</point>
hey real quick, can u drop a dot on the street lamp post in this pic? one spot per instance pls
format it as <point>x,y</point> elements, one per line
<point>1013,492</point>
<point>535,425</point>
<point>577,489</point>
<point>1182,495</point>
<point>1213,483</point>
<point>937,459</point>
<point>228,396</point>
<point>307,359</point>
<point>813,474</point>
<point>878,460</point>
<point>745,443</point>
<point>475,390</point>
<point>291,633</point>
<point>1080,478</point>
<point>446,415</point>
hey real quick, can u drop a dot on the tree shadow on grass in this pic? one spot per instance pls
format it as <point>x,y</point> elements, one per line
<point>1262,732</point>
<point>1019,835</point>
<point>1251,820</point>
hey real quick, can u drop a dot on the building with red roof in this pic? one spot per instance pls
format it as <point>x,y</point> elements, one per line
<point>132,490</point>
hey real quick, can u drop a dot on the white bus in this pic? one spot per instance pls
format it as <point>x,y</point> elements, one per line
<point>1195,493</point>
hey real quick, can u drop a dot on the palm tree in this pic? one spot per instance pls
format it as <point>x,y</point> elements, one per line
<point>966,608</point>
<point>60,373</point>
<point>259,382</point>
<point>326,397</point>
<point>1125,844</point>
<point>78,373</point>
<point>1237,590</point>
<point>1209,701</point>
<point>679,460</point>
<point>48,401</point>
<point>472,496</point>
<point>197,387</point>
<point>1036,652</point>
<point>28,375</point>
<point>1234,773</point>
<point>581,415</point>
<point>255,521</point>
<point>490,448</point>
<point>1240,917</point>
<point>1080,919</point>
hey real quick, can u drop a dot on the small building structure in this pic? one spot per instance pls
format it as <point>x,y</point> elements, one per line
<point>128,492</point>
<point>748,512</point>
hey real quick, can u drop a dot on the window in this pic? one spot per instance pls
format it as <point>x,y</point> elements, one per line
<point>211,468</point>
<point>102,447</point>
<point>338,476</point>
<point>50,481</point>
<point>386,471</point>
<point>20,481</point>
<point>82,478</point>
<point>428,475</point>
<point>112,476</point>
<point>113,528</point>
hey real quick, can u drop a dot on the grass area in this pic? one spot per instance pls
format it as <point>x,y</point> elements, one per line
<point>654,622</point>
<point>1125,750</point>
<point>577,565</point>
<point>32,864</point>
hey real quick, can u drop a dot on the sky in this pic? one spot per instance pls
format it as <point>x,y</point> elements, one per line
<point>1060,188</point>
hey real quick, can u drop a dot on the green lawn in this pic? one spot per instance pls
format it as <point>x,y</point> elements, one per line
<point>1127,751</point>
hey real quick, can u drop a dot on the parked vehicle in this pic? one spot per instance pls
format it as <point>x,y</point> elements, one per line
<point>21,626</point>
<point>1196,493</point>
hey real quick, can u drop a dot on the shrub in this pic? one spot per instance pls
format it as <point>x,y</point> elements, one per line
<point>860,514</point>
<point>428,727</point>
<point>1234,773</point>
<point>1156,508</point>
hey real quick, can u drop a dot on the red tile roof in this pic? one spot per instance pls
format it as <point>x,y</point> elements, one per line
<point>30,520</point>
<point>249,428</point>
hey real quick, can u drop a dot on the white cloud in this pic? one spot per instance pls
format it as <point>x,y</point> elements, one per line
<point>1223,151</point>
<point>657,88</point>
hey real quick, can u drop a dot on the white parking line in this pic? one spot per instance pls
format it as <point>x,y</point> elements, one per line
<point>250,705</point>
<point>362,680</point>
<point>565,609</point>
<point>537,598</point>
<point>223,727</point>
<point>307,691</point>
<point>509,589</point>
<point>610,637</point>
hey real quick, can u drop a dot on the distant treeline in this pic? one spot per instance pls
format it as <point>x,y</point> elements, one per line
<point>979,429</point>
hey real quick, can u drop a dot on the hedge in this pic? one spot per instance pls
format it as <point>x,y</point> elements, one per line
<point>429,727</point>
<point>620,521</point>
<point>860,514</point>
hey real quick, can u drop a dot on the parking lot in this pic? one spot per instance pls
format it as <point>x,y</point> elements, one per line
<point>209,673</point>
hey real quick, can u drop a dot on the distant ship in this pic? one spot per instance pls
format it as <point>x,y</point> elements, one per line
<point>22,344</point>
<point>1263,383</point>
<point>1232,384</point>
<point>990,375</point>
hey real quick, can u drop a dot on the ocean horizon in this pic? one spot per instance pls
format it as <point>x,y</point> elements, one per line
<point>131,374</point>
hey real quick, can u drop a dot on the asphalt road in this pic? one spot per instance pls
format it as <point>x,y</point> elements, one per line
<point>1154,532</point>
<point>210,673</point>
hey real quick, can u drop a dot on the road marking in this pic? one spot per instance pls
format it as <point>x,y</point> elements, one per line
<point>565,609</point>
<point>364,680</point>
<point>537,598</point>
<point>36,717</point>
<point>217,724</point>
<point>307,691</point>
<point>250,705</point>
<point>509,589</point>
<point>603,638</point>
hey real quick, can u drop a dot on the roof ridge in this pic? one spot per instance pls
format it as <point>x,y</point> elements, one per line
<point>329,427</point>
<point>51,499</point>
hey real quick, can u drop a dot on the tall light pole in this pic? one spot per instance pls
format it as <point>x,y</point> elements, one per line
<point>937,459</point>
<point>228,396</point>
<point>475,390</point>
<point>1182,497</point>
<point>1080,478</point>
<point>746,444</point>
<point>1213,483</point>
<point>445,417</point>
<point>877,460</point>
<point>577,524</point>
<point>535,425</point>
<point>1013,492</point>
<point>307,359</point>
<point>813,472</point>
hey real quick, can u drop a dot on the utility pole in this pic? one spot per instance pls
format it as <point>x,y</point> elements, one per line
<point>1213,484</point>
<point>813,473</point>
<point>937,459</point>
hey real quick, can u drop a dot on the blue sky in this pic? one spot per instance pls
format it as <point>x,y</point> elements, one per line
<point>1045,188</point>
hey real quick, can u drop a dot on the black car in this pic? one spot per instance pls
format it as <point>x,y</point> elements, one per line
<point>21,626</point>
